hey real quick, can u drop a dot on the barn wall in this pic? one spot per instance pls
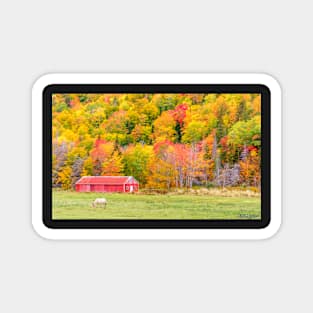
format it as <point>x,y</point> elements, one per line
<point>135,186</point>
<point>96,188</point>
<point>106,188</point>
<point>82,188</point>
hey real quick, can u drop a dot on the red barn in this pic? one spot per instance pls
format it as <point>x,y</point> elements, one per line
<point>107,184</point>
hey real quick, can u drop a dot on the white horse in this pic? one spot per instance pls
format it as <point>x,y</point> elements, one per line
<point>99,202</point>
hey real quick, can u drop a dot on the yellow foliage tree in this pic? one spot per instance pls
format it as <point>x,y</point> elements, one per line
<point>112,166</point>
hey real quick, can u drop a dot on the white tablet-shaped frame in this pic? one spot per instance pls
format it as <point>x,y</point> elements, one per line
<point>146,79</point>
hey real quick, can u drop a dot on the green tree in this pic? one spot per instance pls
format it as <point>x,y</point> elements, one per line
<point>246,132</point>
<point>194,132</point>
<point>135,160</point>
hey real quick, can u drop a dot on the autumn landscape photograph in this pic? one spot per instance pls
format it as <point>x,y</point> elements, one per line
<point>156,156</point>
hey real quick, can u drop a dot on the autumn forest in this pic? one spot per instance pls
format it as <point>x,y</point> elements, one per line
<point>165,141</point>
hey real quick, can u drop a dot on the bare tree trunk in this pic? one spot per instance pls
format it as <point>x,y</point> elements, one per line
<point>215,158</point>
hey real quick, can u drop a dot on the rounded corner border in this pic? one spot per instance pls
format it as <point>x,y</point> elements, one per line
<point>159,234</point>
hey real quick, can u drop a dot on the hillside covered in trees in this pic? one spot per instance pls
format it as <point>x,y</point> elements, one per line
<point>163,140</point>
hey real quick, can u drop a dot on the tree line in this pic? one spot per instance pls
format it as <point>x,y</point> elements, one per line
<point>163,140</point>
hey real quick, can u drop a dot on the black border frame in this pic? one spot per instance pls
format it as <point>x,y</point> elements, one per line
<point>157,88</point>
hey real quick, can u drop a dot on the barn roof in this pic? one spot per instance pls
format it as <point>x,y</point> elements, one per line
<point>104,180</point>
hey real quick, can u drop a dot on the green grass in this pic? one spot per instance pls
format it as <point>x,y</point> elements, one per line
<point>74,205</point>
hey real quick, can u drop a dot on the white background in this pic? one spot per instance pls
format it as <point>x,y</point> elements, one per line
<point>39,37</point>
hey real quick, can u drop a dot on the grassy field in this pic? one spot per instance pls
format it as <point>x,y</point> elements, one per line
<point>74,205</point>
